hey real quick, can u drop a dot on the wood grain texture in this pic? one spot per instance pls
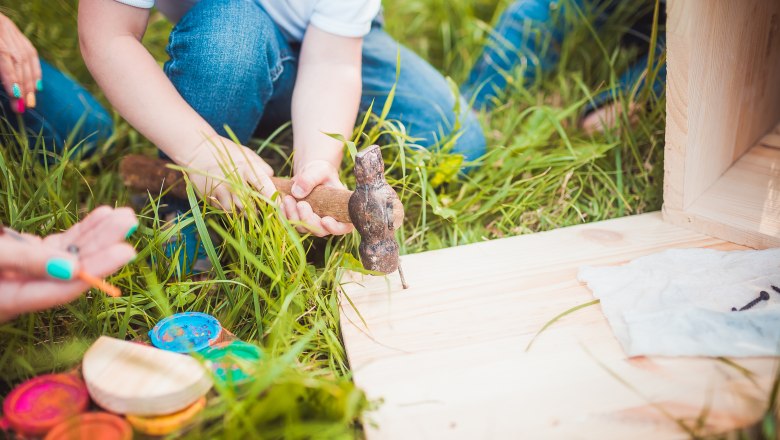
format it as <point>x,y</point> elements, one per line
<point>723,97</point>
<point>142,173</point>
<point>743,206</point>
<point>448,354</point>
<point>130,378</point>
<point>722,90</point>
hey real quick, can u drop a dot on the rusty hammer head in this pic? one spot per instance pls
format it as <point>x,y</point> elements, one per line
<point>371,211</point>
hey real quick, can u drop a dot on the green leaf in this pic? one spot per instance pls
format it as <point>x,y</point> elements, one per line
<point>559,316</point>
<point>351,148</point>
<point>203,232</point>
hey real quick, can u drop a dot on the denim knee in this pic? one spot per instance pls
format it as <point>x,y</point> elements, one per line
<point>97,127</point>
<point>526,36</point>
<point>224,58</point>
<point>471,140</point>
<point>65,111</point>
<point>424,101</point>
<point>463,127</point>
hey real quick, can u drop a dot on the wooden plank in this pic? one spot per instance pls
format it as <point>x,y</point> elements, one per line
<point>448,357</point>
<point>722,92</point>
<point>677,60</point>
<point>743,206</point>
<point>771,140</point>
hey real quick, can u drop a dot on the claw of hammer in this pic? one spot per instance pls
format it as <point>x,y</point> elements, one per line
<point>371,211</point>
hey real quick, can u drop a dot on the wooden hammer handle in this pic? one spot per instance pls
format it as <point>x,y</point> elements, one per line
<point>143,173</point>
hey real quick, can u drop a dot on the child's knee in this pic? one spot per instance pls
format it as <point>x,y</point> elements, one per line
<point>471,142</point>
<point>440,128</point>
<point>99,125</point>
<point>95,128</point>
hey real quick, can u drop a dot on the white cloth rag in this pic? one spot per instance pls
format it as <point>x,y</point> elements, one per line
<point>678,302</point>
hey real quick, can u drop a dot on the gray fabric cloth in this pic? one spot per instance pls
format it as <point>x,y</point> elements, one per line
<point>678,302</point>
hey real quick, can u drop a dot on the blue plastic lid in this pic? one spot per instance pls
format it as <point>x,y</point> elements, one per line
<point>186,332</point>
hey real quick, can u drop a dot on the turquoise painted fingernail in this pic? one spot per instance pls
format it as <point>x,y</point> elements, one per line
<point>60,268</point>
<point>17,90</point>
<point>131,231</point>
<point>39,85</point>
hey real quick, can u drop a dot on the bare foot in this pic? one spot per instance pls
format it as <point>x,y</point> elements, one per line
<point>605,118</point>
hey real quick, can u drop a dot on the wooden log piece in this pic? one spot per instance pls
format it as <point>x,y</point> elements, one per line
<point>142,173</point>
<point>130,378</point>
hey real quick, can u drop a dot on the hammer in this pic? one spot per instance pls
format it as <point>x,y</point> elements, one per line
<point>373,208</point>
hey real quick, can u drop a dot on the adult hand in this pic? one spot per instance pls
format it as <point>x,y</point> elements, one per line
<point>310,175</point>
<point>218,162</point>
<point>20,68</point>
<point>36,273</point>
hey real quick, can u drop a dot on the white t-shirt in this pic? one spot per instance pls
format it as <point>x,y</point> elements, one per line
<point>346,18</point>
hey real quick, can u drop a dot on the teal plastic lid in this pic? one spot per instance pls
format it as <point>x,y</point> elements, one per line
<point>233,362</point>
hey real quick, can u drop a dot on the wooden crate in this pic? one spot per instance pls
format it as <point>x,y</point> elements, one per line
<point>722,166</point>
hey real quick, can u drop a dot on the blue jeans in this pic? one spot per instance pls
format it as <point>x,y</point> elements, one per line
<point>230,62</point>
<point>64,108</point>
<point>527,36</point>
<point>527,40</point>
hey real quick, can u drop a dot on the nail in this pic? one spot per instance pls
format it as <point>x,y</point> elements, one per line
<point>60,268</point>
<point>764,296</point>
<point>39,85</point>
<point>20,106</point>
<point>131,231</point>
<point>17,90</point>
<point>297,191</point>
<point>30,100</point>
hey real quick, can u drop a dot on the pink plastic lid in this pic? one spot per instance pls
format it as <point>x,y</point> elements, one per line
<point>35,406</point>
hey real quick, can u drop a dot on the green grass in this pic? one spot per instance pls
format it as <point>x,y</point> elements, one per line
<point>276,289</point>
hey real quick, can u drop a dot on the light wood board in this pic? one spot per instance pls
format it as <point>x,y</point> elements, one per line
<point>447,356</point>
<point>744,204</point>
<point>723,61</point>
<point>723,98</point>
<point>131,378</point>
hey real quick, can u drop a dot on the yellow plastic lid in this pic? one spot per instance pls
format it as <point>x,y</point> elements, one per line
<point>162,425</point>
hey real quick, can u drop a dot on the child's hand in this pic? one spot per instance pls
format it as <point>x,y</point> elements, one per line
<point>36,273</point>
<point>218,162</point>
<point>20,68</point>
<point>310,175</point>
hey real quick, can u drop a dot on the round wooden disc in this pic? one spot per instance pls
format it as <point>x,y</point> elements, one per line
<point>92,426</point>
<point>128,378</point>
<point>163,425</point>
<point>35,406</point>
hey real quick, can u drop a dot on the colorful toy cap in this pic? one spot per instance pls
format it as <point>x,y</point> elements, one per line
<point>186,332</point>
<point>92,426</point>
<point>35,406</point>
<point>233,362</point>
<point>163,425</point>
